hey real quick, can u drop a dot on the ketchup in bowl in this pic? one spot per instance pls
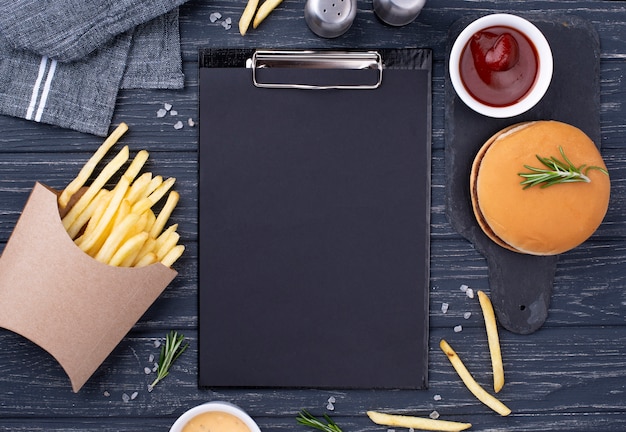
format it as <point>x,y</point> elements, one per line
<point>499,66</point>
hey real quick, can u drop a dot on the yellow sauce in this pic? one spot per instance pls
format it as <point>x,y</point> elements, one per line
<point>215,421</point>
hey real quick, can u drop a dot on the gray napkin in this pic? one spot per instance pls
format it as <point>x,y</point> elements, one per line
<point>62,62</point>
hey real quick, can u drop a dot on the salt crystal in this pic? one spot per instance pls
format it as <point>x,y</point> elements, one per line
<point>464,288</point>
<point>161,113</point>
<point>411,430</point>
<point>444,307</point>
<point>458,329</point>
<point>332,399</point>
<point>470,293</point>
<point>151,358</point>
<point>106,393</point>
<point>437,397</point>
<point>178,125</point>
<point>330,407</point>
<point>173,113</point>
<point>434,415</point>
<point>125,397</point>
<point>147,370</point>
<point>190,122</point>
<point>167,106</point>
<point>215,16</point>
<point>157,343</point>
<point>226,25</point>
<point>467,315</point>
<point>155,367</point>
<point>134,395</point>
<point>228,20</point>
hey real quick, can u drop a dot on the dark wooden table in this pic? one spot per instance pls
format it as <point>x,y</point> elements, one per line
<point>570,375</point>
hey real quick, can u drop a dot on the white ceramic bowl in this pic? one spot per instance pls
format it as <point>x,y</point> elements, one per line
<point>544,74</point>
<point>224,407</point>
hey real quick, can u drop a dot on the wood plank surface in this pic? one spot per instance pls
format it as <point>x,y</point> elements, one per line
<point>569,376</point>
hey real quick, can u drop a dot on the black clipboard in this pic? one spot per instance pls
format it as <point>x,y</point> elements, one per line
<point>314,219</point>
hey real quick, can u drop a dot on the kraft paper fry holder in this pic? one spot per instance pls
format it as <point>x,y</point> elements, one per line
<point>72,306</point>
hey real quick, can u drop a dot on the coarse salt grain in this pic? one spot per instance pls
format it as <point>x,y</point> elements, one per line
<point>147,370</point>
<point>458,329</point>
<point>157,343</point>
<point>332,399</point>
<point>125,397</point>
<point>330,407</point>
<point>226,25</point>
<point>167,106</point>
<point>151,358</point>
<point>173,113</point>
<point>464,288</point>
<point>178,125</point>
<point>190,122</point>
<point>467,315</point>
<point>444,307</point>
<point>106,393</point>
<point>470,293</point>
<point>161,113</point>
<point>134,395</point>
<point>434,415</point>
<point>437,397</point>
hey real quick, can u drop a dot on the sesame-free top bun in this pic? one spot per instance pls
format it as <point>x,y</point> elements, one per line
<point>537,220</point>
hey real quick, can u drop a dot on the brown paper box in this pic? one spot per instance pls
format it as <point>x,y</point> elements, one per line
<point>71,305</point>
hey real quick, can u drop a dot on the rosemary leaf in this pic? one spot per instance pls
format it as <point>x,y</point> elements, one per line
<point>170,351</point>
<point>556,171</point>
<point>307,419</point>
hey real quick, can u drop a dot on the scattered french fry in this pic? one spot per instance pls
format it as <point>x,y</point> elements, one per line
<point>471,383</point>
<point>118,226</point>
<point>246,16</point>
<point>420,423</point>
<point>264,10</point>
<point>493,341</point>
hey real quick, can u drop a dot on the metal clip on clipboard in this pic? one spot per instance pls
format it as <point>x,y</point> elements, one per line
<point>317,69</point>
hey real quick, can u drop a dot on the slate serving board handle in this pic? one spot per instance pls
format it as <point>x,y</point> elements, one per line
<point>521,285</point>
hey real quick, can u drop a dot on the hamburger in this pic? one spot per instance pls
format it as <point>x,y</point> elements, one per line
<point>522,196</point>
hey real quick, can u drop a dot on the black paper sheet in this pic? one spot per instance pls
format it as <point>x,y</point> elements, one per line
<point>314,229</point>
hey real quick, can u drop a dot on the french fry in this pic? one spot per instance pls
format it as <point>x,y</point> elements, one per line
<point>471,383</point>
<point>127,252</point>
<point>146,249</point>
<point>173,255</point>
<point>420,423</point>
<point>117,236</point>
<point>165,213</point>
<point>138,188</point>
<point>493,340</point>
<point>246,16</point>
<point>146,203</point>
<point>108,171</point>
<point>86,215</point>
<point>146,260</point>
<point>168,244</point>
<point>78,182</point>
<point>264,10</point>
<point>161,239</point>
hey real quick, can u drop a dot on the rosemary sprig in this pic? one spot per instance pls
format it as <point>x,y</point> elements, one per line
<point>557,172</point>
<point>305,418</point>
<point>170,351</point>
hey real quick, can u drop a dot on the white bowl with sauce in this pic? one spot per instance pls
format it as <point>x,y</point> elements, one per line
<point>495,89</point>
<point>215,417</point>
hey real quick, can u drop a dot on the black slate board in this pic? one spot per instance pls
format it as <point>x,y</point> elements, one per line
<point>521,284</point>
<point>314,229</point>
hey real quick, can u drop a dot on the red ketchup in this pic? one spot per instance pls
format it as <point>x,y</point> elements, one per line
<point>499,66</point>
